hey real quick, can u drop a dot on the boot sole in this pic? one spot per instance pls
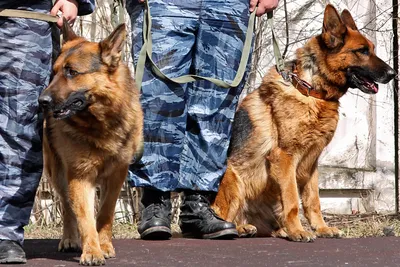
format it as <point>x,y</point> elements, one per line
<point>226,234</point>
<point>13,260</point>
<point>156,233</point>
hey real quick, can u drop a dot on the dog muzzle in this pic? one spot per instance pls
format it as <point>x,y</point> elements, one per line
<point>75,102</point>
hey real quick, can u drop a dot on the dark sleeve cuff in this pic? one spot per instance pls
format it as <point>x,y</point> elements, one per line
<point>85,7</point>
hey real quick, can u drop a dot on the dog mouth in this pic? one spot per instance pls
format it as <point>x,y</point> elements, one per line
<point>75,102</point>
<point>363,83</point>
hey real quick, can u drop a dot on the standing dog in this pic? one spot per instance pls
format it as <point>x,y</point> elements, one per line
<point>281,129</point>
<point>93,131</point>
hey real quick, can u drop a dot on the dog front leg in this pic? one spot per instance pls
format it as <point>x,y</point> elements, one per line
<point>70,239</point>
<point>312,208</point>
<point>283,171</point>
<point>81,194</point>
<point>110,189</point>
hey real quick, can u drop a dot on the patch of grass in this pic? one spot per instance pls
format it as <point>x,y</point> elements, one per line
<point>352,226</point>
<point>33,231</point>
<point>366,225</point>
<point>120,231</point>
<point>125,231</point>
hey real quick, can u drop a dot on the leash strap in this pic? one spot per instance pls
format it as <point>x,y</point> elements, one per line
<point>146,52</point>
<point>280,63</point>
<point>16,13</point>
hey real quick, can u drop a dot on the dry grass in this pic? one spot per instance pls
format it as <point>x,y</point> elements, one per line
<point>120,231</point>
<point>352,226</point>
<point>366,225</point>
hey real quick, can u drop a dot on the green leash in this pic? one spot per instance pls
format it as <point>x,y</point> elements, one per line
<point>16,13</point>
<point>280,63</point>
<point>146,52</point>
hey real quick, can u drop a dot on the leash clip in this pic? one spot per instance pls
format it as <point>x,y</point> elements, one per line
<point>285,75</point>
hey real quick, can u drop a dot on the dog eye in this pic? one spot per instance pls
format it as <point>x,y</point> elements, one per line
<point>364,51</point>
<point>70,73</point>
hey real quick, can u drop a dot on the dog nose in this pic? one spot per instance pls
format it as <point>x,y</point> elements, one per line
<point>45,101</point>
<point>390,74</point>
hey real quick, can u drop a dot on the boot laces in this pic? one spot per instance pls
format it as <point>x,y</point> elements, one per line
<point>159,208</point>
<point>209,212</point>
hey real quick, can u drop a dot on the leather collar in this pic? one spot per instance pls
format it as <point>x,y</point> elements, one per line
<point>302,86</point>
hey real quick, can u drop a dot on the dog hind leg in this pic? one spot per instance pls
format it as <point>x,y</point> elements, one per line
<point>246,230</point>
<point>229,201</point>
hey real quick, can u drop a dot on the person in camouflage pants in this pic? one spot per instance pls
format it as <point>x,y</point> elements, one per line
<point>188,126</point>
<point>25,68</point>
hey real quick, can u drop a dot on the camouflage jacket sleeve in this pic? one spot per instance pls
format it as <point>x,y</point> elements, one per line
<point>85,7</point>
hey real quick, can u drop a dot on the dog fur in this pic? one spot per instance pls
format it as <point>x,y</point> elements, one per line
<point>279,134</point>
<point>93,130</point>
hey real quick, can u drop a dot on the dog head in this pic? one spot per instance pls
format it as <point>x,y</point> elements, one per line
<point>344,57</point>
<point>82,72</point>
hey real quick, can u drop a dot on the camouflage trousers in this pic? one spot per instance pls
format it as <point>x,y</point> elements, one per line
<point>188,126</point>
<point>25,65</point>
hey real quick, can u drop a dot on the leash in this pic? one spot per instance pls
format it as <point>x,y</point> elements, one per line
<point>16,13</point>
<point>280,63</point>
<point>146,52</point>
<point>302,86</point>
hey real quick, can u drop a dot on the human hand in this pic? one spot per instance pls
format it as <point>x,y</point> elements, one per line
<point>69,10</point>
<point>264,6</point>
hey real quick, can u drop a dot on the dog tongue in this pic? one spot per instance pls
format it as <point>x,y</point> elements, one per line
<point>373,87</point>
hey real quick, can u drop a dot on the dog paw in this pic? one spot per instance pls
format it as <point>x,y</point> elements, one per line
<point>108,250</point>
<point>279,233</point>
<point>246,230</point>
<point>69,245</point>
<point>328,232</point>
<point>93,259</point>
<point>301,236</point>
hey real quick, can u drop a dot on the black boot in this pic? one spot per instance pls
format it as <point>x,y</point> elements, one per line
<point>11,252</point>
<point>155,222</point>
<point>198,219</point>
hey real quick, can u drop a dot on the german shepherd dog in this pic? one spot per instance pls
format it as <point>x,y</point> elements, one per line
<point>93,131</point>
<point>281,128</point>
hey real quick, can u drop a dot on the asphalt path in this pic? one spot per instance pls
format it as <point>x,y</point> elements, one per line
<point>376,251</point>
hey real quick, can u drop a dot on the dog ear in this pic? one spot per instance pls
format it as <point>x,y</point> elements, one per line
<point>67,31</point>
<point>333,28</point>
<point>111,47</point>
<point>348,20</point>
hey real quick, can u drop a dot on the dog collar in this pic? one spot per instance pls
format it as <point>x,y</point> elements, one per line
<point>302,86</point>
<point>305,88</point>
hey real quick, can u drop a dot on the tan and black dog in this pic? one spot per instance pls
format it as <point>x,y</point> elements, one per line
<point>281,128</point>
<point>93,131</point>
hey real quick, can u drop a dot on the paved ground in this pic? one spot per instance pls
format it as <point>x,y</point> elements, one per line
<point>381,252</point>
